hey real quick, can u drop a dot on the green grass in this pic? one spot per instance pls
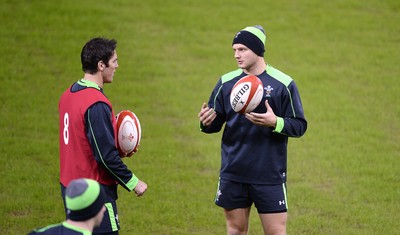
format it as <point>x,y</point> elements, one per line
<point>343,174</point>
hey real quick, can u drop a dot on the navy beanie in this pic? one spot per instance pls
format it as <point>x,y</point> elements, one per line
<point>252,37</point>
<point>84,198</point>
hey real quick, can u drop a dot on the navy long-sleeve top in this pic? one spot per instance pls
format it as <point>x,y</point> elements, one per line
<point>250,153</point>
<point>100,133</point>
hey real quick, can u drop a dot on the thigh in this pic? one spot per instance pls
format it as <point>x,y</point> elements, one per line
<point>110,221</point>
<point>237,220</point>
<point>274,223</point>
<point>269,198</point>
<point>232,195</point>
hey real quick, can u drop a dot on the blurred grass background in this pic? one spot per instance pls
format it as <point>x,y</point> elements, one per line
<point>343,175</point>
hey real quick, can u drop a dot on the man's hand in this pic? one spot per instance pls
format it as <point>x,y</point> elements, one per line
<point>207,115</point>
<point>263,119</point>
<point>140,188</point>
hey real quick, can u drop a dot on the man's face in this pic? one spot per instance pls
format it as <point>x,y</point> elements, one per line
<point>245,57</point>
<point>108,72</point>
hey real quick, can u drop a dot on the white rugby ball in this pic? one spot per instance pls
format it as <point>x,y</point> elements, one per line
<point>129,133</point>
<point>246,94</point>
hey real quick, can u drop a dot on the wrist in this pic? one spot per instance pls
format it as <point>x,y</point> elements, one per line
<point>133,182</point>
<point>279,124</point>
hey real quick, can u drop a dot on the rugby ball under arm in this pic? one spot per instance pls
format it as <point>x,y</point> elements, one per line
<point>129,133</point>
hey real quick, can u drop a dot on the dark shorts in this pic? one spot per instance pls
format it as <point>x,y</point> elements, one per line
<point>266,198</point>
<point>110,223</point>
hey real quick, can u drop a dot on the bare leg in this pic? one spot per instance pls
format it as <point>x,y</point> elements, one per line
<point>274,223</point>
<point>237,221</point>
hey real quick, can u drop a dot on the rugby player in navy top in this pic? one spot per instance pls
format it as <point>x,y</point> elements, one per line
<point>254,145</point>
<point>88,132</point>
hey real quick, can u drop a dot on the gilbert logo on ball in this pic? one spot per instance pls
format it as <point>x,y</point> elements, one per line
<point>246,94</point>
<point>129,132</point>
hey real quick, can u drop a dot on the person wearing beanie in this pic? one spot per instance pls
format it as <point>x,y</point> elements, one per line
<point>254,145</point>
<point>84,199</point>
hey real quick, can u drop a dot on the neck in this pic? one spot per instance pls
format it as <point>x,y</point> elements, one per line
<point>86,225</point>
<point>96,78</point>
<point>257,68</point>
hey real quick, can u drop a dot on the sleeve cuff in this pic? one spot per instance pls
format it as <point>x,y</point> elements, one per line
<point>202,127</point>
<point>280,123</point>
<point>132,182</point>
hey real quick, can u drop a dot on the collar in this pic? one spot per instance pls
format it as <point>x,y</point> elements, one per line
<point>87,83</point>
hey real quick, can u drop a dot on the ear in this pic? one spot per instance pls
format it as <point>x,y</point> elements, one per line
<point>100,66</point>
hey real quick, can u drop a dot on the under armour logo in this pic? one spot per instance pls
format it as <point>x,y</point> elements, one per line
<point>282,202</point>
<point>237,35</point>
<point>218,194</point>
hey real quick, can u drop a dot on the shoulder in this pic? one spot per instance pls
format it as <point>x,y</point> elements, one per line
<point>99,109</point>
<point>50,229</point>
<point>278,75</point>
<point>231,75</point>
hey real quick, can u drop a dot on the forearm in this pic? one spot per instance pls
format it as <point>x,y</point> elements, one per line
<point>292,127</point>
<point>100,133</point>
<point>214,127</point>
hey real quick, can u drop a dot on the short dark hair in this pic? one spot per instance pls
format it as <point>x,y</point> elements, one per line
<point>95,50</point>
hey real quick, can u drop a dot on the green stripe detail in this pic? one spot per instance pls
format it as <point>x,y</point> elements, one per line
<point>87,83</point>
<point>283,78</point>
<point>111,215</point>
<point>278,75</point>
<point>132,182</point>
<point>72,227</point>
<point>280,123</point>
<point>47,227</point>
<point>226,78</point>
<point>215,97</point>
<point>86,198</point>
<point>257,32</point>
<point>229,76</point>
<point>285,193</point>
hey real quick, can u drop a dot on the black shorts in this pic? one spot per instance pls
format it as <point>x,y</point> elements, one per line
<point>110,222</point>
<point>266,198</point>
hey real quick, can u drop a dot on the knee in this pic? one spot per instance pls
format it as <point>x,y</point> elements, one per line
<point>276,229</point>
<point>237,230</point>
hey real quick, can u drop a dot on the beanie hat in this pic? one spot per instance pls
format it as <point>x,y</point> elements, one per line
<point>84,198</point>
<point>252,37</point>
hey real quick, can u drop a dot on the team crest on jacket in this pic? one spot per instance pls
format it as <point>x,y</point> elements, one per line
<point>268,89</point>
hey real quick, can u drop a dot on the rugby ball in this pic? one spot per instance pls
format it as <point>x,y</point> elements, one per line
<point>129,133</point>
<point>246,94</point>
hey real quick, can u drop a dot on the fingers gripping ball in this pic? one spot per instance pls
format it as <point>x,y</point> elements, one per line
<point>129,133</point>
<point>246,94</point>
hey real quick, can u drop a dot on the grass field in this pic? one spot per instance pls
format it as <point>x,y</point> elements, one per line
<point>344,174</point>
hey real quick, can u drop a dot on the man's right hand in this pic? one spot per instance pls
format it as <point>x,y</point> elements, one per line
<point>140,188</point>
<point>207,115</point>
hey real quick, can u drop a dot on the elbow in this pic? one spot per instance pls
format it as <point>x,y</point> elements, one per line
<point>302,129</point>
